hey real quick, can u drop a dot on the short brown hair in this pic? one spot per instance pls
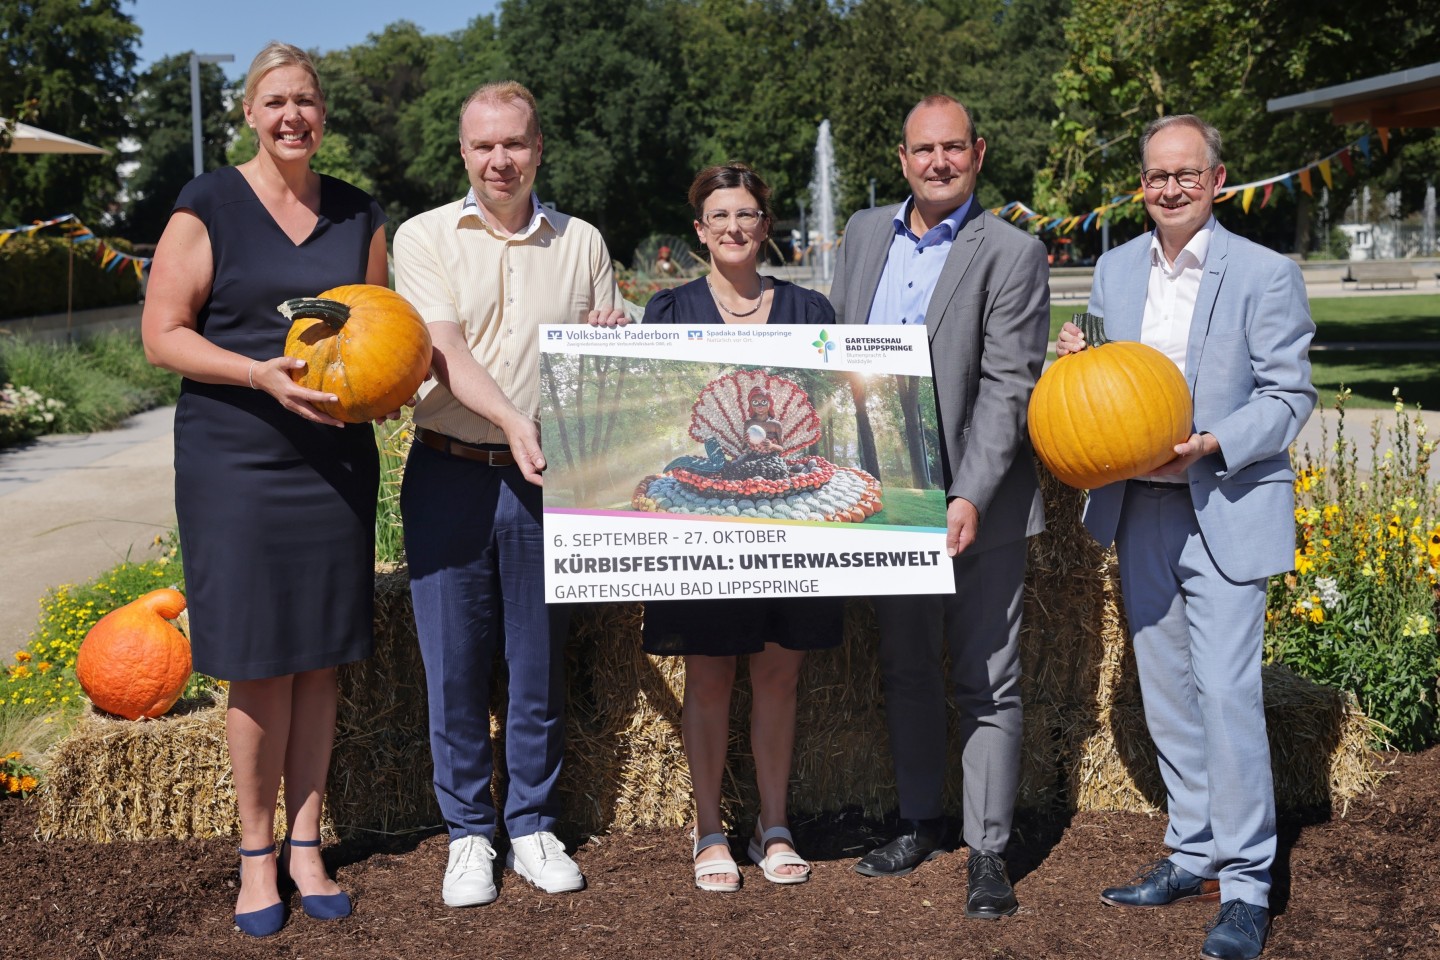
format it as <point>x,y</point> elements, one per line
<point>724,177</point>
<point>505,91</point>
<point>274,55</point>
<point>940,100</point>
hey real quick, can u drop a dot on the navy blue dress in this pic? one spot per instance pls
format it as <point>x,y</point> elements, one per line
<point>277,514</point>
<point>728,628</point>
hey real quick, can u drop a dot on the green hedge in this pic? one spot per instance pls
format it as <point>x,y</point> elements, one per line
<point>33,272</point>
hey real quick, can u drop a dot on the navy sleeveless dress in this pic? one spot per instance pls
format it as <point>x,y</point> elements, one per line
<point>277,514</point>
<point>728,628</point>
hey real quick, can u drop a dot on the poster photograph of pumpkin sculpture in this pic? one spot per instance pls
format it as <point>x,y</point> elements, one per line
<point>745,444</point>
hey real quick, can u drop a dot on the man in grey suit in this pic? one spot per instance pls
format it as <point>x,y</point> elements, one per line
<point>979,286</point>
<point>1198,539</point>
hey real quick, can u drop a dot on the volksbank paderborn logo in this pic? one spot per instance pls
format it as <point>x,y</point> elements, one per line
<point>824,345</point>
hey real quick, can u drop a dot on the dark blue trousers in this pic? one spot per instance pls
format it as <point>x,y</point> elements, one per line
<point>475,546</point>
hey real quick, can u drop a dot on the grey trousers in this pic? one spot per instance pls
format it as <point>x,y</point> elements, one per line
<point>981,623</point>
<point>1198,642</point>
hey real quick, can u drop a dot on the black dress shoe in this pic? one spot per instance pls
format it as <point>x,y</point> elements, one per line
<point>919,840</point>
<point>1161,884</point>
<point>989,895</point>
<point>1238,933</point>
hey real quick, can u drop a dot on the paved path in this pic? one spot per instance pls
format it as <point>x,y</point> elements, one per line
<point>73,506</point>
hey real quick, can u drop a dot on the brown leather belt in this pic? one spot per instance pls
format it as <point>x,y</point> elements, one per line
<point>466,451</point>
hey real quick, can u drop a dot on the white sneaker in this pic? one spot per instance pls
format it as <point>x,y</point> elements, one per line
<point>469,877</point>
<point>541,859</point>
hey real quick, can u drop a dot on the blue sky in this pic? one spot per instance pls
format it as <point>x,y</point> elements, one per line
<point>242,28</point>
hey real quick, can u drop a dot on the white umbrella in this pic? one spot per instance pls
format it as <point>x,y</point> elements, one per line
<point>28,139</point>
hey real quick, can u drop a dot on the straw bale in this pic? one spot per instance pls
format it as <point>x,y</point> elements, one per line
<point>114,779</point>
<point>380,769</point>
<point>1319,750</point>
<point>1085,745</point>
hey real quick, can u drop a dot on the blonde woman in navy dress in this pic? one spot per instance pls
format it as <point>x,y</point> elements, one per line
<point>275,499</point>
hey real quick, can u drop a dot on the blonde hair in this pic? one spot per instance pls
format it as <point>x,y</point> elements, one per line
<point>505,91</point>
<point>275,55</point>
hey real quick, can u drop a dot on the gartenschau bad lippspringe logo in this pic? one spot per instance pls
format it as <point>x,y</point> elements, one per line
<point>823,346</point>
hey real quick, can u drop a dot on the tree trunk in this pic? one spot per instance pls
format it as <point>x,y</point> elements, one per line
<point>864,433</point>
<point>909,390</point>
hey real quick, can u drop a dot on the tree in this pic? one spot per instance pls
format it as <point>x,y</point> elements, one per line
<point>607,78</point>
<point>166,156</point>
<point>1127,64</point>
<point>76,60</point>
<point>766,112</point>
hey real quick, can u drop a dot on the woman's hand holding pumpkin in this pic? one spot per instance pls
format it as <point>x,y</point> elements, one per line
<point>1070,340</point>
<point>274,377</point>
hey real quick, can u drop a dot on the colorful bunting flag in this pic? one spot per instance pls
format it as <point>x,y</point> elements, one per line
<point>1324,166</point>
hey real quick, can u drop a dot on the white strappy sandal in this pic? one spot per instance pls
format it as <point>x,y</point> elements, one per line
<point>715,865</point>
<point>768,862</point>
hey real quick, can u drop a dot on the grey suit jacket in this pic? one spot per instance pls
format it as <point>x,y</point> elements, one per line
<point>1248,367</point>
<point>988,323</point>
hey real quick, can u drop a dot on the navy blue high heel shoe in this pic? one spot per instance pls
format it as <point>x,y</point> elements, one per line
<point>319,906</point>
<point>268,920</point>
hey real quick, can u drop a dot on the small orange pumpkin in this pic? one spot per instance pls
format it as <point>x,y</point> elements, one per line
<point>134,663</point>
<point>1111,412</point>
<point>364,343</point>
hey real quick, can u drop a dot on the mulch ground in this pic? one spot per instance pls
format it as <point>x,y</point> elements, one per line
<point>1362,885</point>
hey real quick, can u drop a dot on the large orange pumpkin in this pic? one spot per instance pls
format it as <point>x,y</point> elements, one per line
<point>134,663</point>
<point>364,343</point>
<point>1111,412</point>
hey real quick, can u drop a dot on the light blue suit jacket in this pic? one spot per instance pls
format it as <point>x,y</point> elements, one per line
<point>1248,368</point>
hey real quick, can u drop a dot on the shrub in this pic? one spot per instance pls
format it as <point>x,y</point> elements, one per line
<point>100,380</point>
<point>35,276</point>
<point>24,413</point>
<point>1359,610</point>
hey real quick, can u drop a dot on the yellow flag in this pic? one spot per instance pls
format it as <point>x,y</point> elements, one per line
<point>4,237</point>
<point>1325,173</point>
<point>1245,200</point>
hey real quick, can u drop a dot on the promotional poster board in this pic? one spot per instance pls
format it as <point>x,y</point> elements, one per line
<point>740,461</point>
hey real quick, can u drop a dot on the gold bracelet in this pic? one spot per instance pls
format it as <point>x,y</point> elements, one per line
<point>250,375</point>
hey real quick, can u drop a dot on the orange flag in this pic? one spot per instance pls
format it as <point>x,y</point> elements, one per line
<point>1384,134</point>
<point>1305,182</point>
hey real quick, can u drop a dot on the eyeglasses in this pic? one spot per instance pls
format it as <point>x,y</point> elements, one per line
<point>1184,179</point>
<point>744,219</point>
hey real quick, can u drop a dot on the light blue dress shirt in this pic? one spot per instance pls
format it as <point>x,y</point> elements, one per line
<point>912,268</point>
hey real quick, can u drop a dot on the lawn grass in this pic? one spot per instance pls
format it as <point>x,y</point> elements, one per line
<point>905,506</point>
<point>1370,374</point>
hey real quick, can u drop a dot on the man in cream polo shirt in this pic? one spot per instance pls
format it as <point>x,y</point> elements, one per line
<point>484,272</point>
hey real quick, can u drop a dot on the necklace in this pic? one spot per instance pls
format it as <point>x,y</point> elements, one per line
<point>751,312</point>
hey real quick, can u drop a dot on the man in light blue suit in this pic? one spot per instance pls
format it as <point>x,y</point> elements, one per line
<point>1198,538</point>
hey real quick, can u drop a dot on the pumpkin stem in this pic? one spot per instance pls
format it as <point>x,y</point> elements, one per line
<point>1093,327</point>
<point>333,312</point>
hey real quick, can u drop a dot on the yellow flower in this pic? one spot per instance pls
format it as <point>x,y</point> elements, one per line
<point>28,783</point>
<point>1303,564</point>
<point>1317,615</point>
<point>22,655</point>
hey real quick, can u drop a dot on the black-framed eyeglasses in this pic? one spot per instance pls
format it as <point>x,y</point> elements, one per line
<point>719,219</point>
<point>1156,179</point>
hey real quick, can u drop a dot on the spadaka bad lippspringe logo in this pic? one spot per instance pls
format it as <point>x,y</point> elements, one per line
<point>824,345</point>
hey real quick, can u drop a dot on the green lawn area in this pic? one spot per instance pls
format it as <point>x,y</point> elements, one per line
<point>909,507</point>
<point>1371,375</point>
